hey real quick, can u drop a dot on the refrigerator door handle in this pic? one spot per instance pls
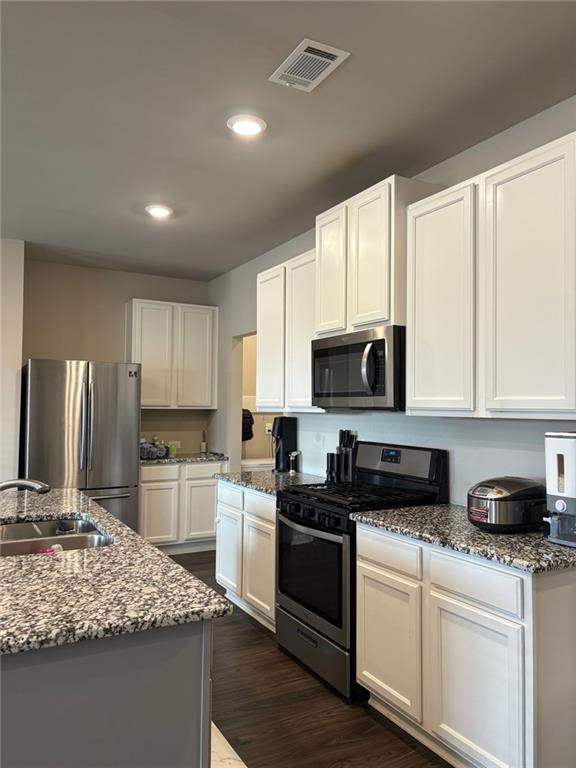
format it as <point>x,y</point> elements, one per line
<point>111,496</point>
<point>82,441</point>
<point>91,428</point>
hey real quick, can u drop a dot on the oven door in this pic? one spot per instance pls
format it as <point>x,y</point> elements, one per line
<point>313,578</point>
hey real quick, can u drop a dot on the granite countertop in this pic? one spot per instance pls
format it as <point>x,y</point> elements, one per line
<point>447,525</point>
<point>127,586</point>
<point>188,458</point>
<point>268,481</point>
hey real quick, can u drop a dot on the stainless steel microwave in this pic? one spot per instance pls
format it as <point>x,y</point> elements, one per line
<point>364,369</point>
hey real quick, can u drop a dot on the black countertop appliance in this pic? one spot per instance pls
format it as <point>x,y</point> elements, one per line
<point>284,433</point>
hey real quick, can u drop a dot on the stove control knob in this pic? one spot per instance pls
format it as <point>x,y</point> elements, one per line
<point>560,505</point>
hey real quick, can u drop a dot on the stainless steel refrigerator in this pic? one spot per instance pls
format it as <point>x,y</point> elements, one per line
<point>81,429</point>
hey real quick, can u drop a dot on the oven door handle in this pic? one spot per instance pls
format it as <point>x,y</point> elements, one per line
<point>311,531</point>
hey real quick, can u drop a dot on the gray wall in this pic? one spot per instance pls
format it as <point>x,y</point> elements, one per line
<point>77,313</point>
<point>479,448</point>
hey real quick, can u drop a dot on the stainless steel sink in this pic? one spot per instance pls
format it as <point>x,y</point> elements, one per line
<point>28,538</point>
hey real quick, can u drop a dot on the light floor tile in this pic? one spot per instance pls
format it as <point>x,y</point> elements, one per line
<point>223,756</point>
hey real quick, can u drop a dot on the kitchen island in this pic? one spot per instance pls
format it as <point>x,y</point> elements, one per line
<point>138,697</point>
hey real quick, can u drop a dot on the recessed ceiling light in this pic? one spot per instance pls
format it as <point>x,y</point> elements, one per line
<point>159,211</point>
<point>246,125</point>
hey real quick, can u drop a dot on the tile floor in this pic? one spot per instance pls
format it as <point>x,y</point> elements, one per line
<point>223,756</point>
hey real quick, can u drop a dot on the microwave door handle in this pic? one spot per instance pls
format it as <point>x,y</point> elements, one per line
<point>364,367</point>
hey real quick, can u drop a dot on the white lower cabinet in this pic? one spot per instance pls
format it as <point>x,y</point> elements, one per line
<point>389,640</point>
<point>246,550</point>
<point>178,503</point>
<point>159,511</point>
<point>198,514</point>
<point>229,549</point>
<point>473,658</point>
<point>258,563</point>
<point>476,682</point>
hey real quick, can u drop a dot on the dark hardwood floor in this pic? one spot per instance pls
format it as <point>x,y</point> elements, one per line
<point>275,714</point>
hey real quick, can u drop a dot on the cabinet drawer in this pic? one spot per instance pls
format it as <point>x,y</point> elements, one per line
<point>231,496</point>
<point>156,472</point>
<point>260,506</point>
<point>480,583</point>
<point>193,471</point>
<point>397,555</point>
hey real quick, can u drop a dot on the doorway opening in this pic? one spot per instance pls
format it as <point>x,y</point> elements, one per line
<point>257,445</point>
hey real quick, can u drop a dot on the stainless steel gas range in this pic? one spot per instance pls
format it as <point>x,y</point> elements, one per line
<point>316,552</point>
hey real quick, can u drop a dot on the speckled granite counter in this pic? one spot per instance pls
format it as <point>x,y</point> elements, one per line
<point>127,586</point>
<point>447,526</point>
<point>268,481</point>
<point>188,458</point>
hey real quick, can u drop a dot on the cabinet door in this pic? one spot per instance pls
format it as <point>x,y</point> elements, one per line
<point>477,683</point>
<point>270,339</point>
<point>159,512</point>
<point>369,256</point>
<point>300,319</point>
<point>331,260</point>
<point>229,549</point>
<point>389,623</point>
<point>259,562</point>
<point>198,509</point>
<point>441,302</point>
<point>194,356</point>
<point>152,334</point>
<point>530,212</point>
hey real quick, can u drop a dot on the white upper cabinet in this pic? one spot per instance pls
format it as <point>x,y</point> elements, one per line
<point>331,258</point>
<point>300,317</point>
<point>150,343</point>
<point>361,257</point>
<point>441,302</point>
<point>270,339</point>
<point>177,347</point>
<point>195,335</point>
<point>369,255</point>
<point>285,329</point>
<point>530,252</point>
<point>491,292</point>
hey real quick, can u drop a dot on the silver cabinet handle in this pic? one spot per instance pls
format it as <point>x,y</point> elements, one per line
<point>82,448</point>
<point>364,367</point>
<point>91,428</point>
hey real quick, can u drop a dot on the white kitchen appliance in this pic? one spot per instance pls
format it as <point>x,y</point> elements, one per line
<point>561,486</point>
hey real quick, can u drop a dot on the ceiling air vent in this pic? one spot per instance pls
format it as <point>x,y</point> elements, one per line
<point>308,65</point>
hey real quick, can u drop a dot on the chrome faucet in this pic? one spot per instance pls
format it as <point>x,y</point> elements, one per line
<point>25,485</point>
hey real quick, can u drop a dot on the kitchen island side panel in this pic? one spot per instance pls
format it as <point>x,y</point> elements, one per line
<point>137,701</point>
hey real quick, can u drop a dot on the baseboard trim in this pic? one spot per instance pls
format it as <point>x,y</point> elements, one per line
<point>418,733</point>
<point>187,547</point>
<point>252,612</point>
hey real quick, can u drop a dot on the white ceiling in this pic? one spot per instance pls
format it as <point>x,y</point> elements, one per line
<point>108,106</point>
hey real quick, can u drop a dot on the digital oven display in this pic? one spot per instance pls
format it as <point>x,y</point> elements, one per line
<point>391,456</point>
